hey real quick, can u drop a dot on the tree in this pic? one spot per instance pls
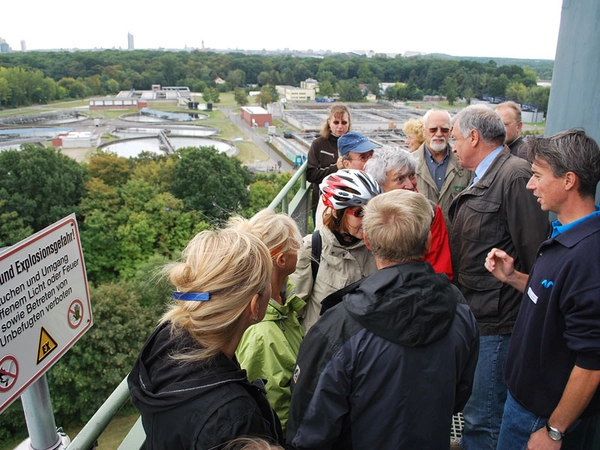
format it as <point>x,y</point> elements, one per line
<point>236,78</point>
<point>326,89</point>
<point>450,89</point>
<point>211,182</point>
<point>264,78</point>
<point>41,184</point>
<point>374,87</point>
<point>240,96</point>
<point>539,95</point>
<point>349,91</point>
<point>111,168</point>
<point>12,227</point>
<point>264,189</point>
<point>207,95</point>
<point>517,92</point>
<point>268,94</point>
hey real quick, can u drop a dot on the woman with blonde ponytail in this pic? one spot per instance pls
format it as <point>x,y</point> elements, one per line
<point>186,382</point>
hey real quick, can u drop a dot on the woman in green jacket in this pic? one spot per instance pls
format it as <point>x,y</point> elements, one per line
<point>268,349</point>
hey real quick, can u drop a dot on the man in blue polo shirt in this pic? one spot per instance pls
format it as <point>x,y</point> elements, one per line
<point>553,363</point>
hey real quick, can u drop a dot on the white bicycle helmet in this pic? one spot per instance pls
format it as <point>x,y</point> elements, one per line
<point>348,187</point>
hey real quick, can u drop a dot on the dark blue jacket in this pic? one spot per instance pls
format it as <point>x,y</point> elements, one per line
<point>559,322</point>
<point>387,367</point>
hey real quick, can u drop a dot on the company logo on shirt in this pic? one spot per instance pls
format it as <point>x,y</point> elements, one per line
<point>547,283</point>
<point>296,373</point>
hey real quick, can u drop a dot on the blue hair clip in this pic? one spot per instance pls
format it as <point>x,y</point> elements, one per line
<point>191,296</point>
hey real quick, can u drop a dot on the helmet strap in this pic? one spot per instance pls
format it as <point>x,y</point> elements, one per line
<point>337,218</point>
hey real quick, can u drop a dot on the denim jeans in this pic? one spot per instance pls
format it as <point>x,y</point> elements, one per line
<point>483,412</point>
<point>518,424</point>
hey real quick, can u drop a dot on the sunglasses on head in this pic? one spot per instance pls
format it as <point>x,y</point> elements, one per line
<point>356,212</point>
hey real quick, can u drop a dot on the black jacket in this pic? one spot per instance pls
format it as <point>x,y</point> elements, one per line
<point>322,161</point>
<point>196,405</point>
<point>387,367</point>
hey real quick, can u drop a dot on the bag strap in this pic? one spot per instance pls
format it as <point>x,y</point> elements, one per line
<point>316,248</point>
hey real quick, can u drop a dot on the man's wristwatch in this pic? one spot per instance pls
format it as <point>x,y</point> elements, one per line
<point>555,434</point>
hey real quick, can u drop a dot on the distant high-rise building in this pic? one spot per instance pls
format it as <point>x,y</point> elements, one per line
<point>130,41</point>
<point>23,46</point>
<point>4,47</point>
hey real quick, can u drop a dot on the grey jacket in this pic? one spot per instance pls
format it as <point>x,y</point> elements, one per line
<point>340,266</point>
<point>456,180</point>
<point>498,211</point>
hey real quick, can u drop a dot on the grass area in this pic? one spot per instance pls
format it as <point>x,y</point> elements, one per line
<point>109,440</point>
<point>249,153</point>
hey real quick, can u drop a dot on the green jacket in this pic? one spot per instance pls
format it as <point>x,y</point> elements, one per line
<point>269,349</point>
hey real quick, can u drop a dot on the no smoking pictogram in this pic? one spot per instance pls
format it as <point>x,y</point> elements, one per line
<point>9,371</point>
<point>75,314</point>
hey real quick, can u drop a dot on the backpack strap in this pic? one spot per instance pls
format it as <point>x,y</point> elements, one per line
<point>316,248</point>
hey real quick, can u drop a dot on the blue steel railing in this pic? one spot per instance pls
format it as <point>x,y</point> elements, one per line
<point>298,208</point>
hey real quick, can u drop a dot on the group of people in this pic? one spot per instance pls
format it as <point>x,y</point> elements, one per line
<point>433,284</point>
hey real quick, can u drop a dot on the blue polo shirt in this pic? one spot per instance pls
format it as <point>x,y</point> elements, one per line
<point>558,228</point>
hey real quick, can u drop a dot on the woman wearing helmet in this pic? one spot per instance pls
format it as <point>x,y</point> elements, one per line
<point>343,258</point>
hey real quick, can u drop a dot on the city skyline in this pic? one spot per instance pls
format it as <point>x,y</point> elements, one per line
<point>516,29</point>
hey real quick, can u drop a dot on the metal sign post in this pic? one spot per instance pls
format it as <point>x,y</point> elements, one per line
<point>44,309</point>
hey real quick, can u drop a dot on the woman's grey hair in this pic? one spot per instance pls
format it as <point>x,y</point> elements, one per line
<point>386,159</point>
<point>485,120</point>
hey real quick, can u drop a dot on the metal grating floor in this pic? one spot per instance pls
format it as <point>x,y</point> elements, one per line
<point>457,425</point>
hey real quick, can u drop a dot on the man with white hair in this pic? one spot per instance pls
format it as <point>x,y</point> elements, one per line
<point>439,176</point>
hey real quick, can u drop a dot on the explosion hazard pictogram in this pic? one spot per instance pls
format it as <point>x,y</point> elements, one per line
<point>46,345</point>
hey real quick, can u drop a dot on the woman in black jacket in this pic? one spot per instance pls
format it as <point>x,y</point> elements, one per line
<point>323,157</point>
<point>186,382</point>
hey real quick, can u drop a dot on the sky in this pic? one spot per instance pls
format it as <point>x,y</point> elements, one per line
<point>525,29</point>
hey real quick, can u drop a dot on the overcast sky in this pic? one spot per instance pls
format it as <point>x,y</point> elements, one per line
<point>507,28</point>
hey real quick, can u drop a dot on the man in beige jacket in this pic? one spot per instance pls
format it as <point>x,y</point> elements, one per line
<point>439,176</point>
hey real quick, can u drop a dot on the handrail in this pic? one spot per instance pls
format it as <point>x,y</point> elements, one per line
<point>282,196</point>
<point>89,434</point>
<point>299,207</point>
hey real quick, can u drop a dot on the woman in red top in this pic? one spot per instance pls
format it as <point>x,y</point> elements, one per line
<point>395,169</point>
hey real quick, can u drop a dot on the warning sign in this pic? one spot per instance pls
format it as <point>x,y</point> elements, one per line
<point>75,314</point>
<point>9,371</point>
<point>43,287</point>
<point>46,345</point>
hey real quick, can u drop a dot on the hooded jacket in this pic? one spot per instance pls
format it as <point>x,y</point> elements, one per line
<point>387,367</point>
<point>197,405</point>
<point>268,350</point>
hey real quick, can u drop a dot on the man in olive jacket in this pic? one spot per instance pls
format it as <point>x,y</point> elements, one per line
<point>495,211</point>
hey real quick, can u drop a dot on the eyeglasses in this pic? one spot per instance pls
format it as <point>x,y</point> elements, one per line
<point>444,130</point>
<point>364,157</point>
<point>356,212</point>
<point>337,122</point>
